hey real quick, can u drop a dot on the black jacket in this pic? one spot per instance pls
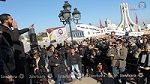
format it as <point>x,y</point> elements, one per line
<point>57,70</point>
<point>72,60</point>
<point>10,35</point>
<point>41,64</point>
<point>7,63</point>
<point>144,59</point>
<point>22,31</point>
<point>18,45</point>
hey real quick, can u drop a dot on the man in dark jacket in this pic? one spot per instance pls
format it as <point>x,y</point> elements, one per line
<point>11,34</point>
<point>58,67</point>
<point>6,60</point>
<point>132,59</point>
<point>38,67</point>
<point>144,65</point>
<point>74,61</point>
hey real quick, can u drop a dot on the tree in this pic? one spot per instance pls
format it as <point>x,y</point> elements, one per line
<point>39,37</point>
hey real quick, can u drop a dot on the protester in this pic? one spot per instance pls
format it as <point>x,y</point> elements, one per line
<point>73,62</point>
<point>110,55</point>
<point>38,68</point>
<point>58,66</point>
<point>118,56</point>
<point>132,60</point>
<point>144,65</point>
<point>11,34</point>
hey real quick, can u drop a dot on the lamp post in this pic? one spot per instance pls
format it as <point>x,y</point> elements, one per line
<point>66,17</point>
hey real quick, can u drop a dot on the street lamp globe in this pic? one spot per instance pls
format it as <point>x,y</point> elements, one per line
<point>61,16</point>
<point>67,5</point>
<point>76,15</point>
<point>66,14</point>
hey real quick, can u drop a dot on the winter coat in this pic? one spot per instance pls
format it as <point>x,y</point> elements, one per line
<point>118,57</point>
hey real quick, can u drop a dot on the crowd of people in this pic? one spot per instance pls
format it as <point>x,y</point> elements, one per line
<point>118,58</point>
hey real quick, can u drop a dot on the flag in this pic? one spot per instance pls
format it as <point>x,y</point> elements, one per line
<point>136,19</point>
<point>2,0</point>
<point>100,24</point>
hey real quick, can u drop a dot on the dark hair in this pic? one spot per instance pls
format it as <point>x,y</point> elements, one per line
<point>113,32</point>
<point>121,42</point>
<point>49,47</point>
<point>72,47</point>
<point>4,17</point>
<point>32,52</point>
<point>56,52</point>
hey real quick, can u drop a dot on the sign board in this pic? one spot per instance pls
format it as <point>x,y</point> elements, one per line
<point>122,33</point>
<point>119,33</point>
<point>136,33</point>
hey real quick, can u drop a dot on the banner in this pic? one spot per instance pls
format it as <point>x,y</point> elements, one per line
<point>136,33</point>
<point>57,34</point>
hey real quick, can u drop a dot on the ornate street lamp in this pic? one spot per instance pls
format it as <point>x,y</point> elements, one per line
<point>76,15</point>
<point>65,16</point>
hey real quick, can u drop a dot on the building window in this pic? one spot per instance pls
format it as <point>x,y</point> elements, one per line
<point>78,34</point>
<point>74,34</point>
<point>82,34</point>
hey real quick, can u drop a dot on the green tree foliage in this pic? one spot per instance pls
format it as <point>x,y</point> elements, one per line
<point>39,38</point>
